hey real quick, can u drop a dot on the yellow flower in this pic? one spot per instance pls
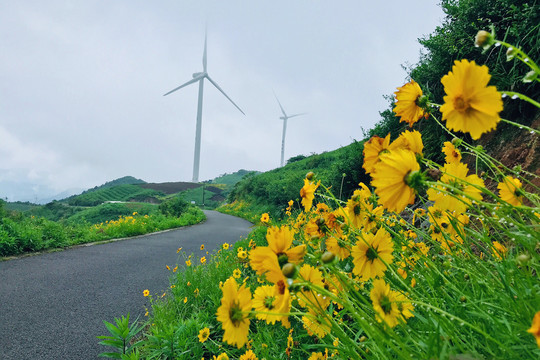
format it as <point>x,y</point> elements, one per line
<point>233,314</point>
<point>338,247</point>
<point>372,149</point>
<point>175,268</point>
<point>248,355</point>
<point>242,254</point>
<point>188,263</point>
<point>269,304</point>
<point>265,218</point>
<point>202,246</point>
<point>146,293</point>
<point>317,356</point>
<point>535,328</point>
<point>307,296</point>
<point>196,292</point>
<point>203,260</point>
<point>372,254</point>
<point>168,267</point>
<point>280,241</point>
<point>470,105</point>
<point>404,305</point>
<point>185,300</point>
<point>307,192</point>
<point>510,191</point>
<point>384,303</point>
<point>452,155</point>
<point>409,140</point>
<point>356,206</point>
<point>204,334</point>
<point>407,108</point>
<point>499,250</point>
<point>237,273</point>
<point>395,178</point>
<point>316,324</point>
<point>222,356</point>
<point>226,246</point>
<point>456,190</point>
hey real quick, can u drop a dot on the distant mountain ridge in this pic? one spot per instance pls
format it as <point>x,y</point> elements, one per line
<point>126,180</point>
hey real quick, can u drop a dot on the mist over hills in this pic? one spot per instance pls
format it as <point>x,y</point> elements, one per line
<point>41,194</point>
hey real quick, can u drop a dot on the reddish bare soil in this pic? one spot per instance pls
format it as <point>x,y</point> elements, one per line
<point>170,187</point>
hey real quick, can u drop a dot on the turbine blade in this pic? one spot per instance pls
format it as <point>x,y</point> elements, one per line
<point>290,116</point>
<point>223,92</point>
<point>204,53</point>
<point>186,84</point>
<point>283,111</point>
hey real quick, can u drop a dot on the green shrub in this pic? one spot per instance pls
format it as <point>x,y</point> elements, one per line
<point>174,207</point>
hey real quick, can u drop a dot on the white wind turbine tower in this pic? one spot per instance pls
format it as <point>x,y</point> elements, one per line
<point>285,117</point>
<point>200,76</point>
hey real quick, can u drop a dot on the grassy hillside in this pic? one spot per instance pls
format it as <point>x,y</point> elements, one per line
<point>341,170</point>
<point>125,192</point>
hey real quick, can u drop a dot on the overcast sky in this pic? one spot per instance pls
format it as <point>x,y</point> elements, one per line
<point>82,84</point>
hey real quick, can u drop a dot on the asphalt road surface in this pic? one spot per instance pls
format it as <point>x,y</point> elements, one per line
<point>52,306</point>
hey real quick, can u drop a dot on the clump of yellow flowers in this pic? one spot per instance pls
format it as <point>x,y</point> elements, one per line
<point>358,261</point>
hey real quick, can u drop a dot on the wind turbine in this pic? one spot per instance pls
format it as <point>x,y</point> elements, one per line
<point>285,117</point>
<point>200,76</point>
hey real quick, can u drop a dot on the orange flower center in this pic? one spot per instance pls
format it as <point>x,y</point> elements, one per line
<point>460,103</point>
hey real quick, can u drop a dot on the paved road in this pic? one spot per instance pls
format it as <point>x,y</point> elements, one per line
<point>52,306</point>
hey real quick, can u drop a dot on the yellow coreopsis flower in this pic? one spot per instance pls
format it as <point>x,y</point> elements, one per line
<point>265,218</point>
<point>372,149</point>
<point>372,253</point>
<point>356,205</point>
<point>409,140</point>
<point>307,192</point>
<point>452,155</point>
<point>248,355</point>
<point>269,304</point>
<point>317,356</point>
<point>395,178</point>
<point>204,334</point>
<point>384,303</point>
<point>407,103</point>
<point>535,328</point>
<point>510,191</point>
<point>146,293</point>
<point>316,324</point>
<point>470,105</point>
<point>280,241</point>
<point>338,246</point>
<point>499,250</point>
<point>307,297</point>
<point>233,314</point>
<point>237,273</point>
<point>456,190</point>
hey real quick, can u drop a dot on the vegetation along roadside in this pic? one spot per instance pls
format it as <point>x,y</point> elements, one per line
<point>431,251</point>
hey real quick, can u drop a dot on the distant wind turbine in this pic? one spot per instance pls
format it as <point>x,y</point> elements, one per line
<point>285,117</point>
<point>200,76</point>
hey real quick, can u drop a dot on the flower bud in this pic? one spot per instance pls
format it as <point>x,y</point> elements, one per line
<point>310,175</point>
<point>463,299</point>
<point>289,270</point>
<point>328,257</point>
<point>483,39</point>
<point>523,259</point>
<point>434,174</point>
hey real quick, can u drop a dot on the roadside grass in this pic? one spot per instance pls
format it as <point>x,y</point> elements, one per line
<point>21,234</point>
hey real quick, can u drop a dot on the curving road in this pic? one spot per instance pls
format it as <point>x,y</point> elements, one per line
<point>52,306</point>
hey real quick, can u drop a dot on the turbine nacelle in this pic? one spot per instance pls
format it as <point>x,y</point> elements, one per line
<point>198,74</point>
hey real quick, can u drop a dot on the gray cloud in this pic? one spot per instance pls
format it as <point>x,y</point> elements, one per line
<point>81,83</point>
